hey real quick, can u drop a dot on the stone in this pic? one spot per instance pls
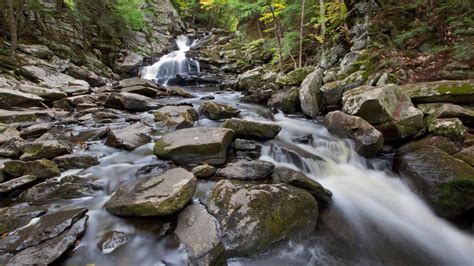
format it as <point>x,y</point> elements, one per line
<point>8,133</point>
<point>12,148</point>
<point>48,94</point>
<point>83,73</point>
<point>163,194</point>
<point>466,155</point>
<point>58,189</point>
<point>128,62</point>
<point>440,142</point>
<point>250,129</point>
<point>347,64</point>
<point>444,181</point>
<point>244,144</point>
<point>295,77</point>
<point>204,171</point>
<point>136,102</point>
<point>195,145</point>
<point>27,116</point>
<point>40,168</point>
<point>36,50</point>
<point>46,149</point>
<point>12,218</point>
<point>300,180</point>
<point>218,111</point>
<point>129,138</point>
<point>176,117</point>
<point>178,91</point>
<point>332,92</point>
<point>18,183</point>
<point>253,217</point>
<point>200,233</point>
<point>141,90</point>
<point>447,110</point>
<point>132,82</point>
<point>76,161</point>
<point>36,130</point>
<point>11,98</point>
<point>258,96</point>
<point>45,241</point>
<point>287,101</point>
<point>368,140</point>
<point>310,94</point>
<point>111,241</point>
<point>448,127</point>
<point>257,78</point>
<point>247,170</point>
<point>460,91</point>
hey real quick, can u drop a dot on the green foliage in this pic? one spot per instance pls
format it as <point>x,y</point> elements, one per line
<point>130,11</point>
<point>401,39</point>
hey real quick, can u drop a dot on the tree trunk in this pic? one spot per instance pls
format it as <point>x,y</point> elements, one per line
<point>300,57</point>
<point>13,28</point>
<point>322,17</point>
<point>277,35</point>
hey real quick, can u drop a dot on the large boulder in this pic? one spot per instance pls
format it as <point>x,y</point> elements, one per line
<point>12,98</point>
<point>164,194</point>
<point>332,92</point>
<point>176,117</point>
<point>76,161</point>
<point>255,216</point>
<point>48,94</point>
<point>45,149</point>
<point>295,77</point>
<point>195,145</point>
<point>217,111</point>
<point>466,155</point>
<point>447,110</point>
<point>461,91</point>
<point>28,116</point>
<point>14,217</point>
<point>368,140</point>
<point>200,233</point>
<point>136,102</point>
<point>387,108</point>
<point>448,127</point>
<point>46,240</point>
<point>130,137</point>
<point>83,73</point>
<point>134,82</point>
<point>288,101</point>
<point>40,168</point>
<point>8,133</point>
<point>300,180</point>
<point>128,62</point>
<point>247,170</point>
<point>310,94</point>
<point>251,129</point>
<point>36,50</point>
<point>444,181</point>
<point>256,79</point>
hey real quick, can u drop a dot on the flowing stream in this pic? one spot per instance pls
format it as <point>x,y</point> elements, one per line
<point>377,214</point>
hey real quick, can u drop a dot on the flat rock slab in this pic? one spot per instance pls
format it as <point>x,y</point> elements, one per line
<point>12,218</point>
<point>45,149</point>
<point>129,138</point>
<point>441,91</point>
<point>217,111</point>
<point>76,161</point>
<point>247,170</point>
<point>250,129</point>
<point>195,145</point>
<point>176,117</point>
<point>111,241</point>
<point>12,98</point>
<point>163,194</point>
<point>200,233</point>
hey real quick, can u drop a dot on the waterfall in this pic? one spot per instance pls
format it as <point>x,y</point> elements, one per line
<point>174,64</point>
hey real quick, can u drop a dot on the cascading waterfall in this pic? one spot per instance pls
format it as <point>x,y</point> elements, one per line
<point>173,64</point>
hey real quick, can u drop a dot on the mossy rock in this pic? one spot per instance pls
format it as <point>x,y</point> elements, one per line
<point>295,77</point>
<point>448,127</point>
<point>461,91</point>
<point>250,129</point>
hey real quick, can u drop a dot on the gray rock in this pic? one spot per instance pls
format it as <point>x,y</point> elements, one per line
<point>176,117</point>
<point>48,94</point>
<point>255,216</point>
<point>111,241</point>
<point>85,74</point>
<point>12,218</point>
<point>141,90</point>
<point>36,50</point>
<point>332,92</point>
<point>40,168</point>
<point>447,110</point>
<point>440,142</point>
<point>128,62</point>
<point>461,91</point>
<point>8,133</point>
<point>347,62</point>
<point>300,180</point>
<point>204,171</point>
<point>12,148</point>
<point>47,149</point>
<point>35,131</point>
<point>250,129</point>
<point>195,145</point>
<point>136,102</point>
<point>466,155</point>
<point>200,233</point>
<point>132,82</point>
<point>12,98</point>
<point>247,170</point>
<point>368,140</point>
<point>76,161</point>
<point>28,116</point>
<point>164,194</point>
<point>244,144</point>
<point>217,111</point>
<point>310,94</point>
<point>288,101</point>
<point>18,183</point>
<point>448,127</point>
<point>129,138</point>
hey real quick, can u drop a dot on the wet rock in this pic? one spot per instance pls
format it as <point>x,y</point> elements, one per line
<point>448,127</point>
<point>440,142</point>
<point>132,82</point>
<point>27,116</point>
<point>176,117</point>
<point>295,77</point>
<point>253,217</point>
<point>136,102</point>
<point>12,218</point>
<point>142,90</point>
<point>11,98</point>
<point>300,180</point>
<point>461,91</point>
<point>8,133</point>
<point>164,194</point>
<point>387,108</point>
<point>200,233</point>
<point>47,149</point>
<point>287,101</point>
<point>368,140</point>
<point>444,181</point>
<point>18,183</point>
<point>178,91</point>
<point>35,131</point>
<point>250,129</point>
<point>244,144</point>
<point>195,145</point>
<point>56,189</point>
<point>247,170</point>
<point>76,161</point>
<point>129,138</point>
<point>217,111</point>
<point>40,168</point>
<point>49,95</point>
<point>36,50</point>
<point>47,240</point>
<point>466,155</point>
<point>204,171</point>
<point>258,96</point>
<point>310,94</point>
<point>111,241</point>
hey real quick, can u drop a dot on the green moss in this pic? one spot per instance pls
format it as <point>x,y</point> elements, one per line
<point>455,193</point>
<point>160,149</point>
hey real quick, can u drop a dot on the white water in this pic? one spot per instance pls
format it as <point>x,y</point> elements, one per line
<point>172,64</point>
